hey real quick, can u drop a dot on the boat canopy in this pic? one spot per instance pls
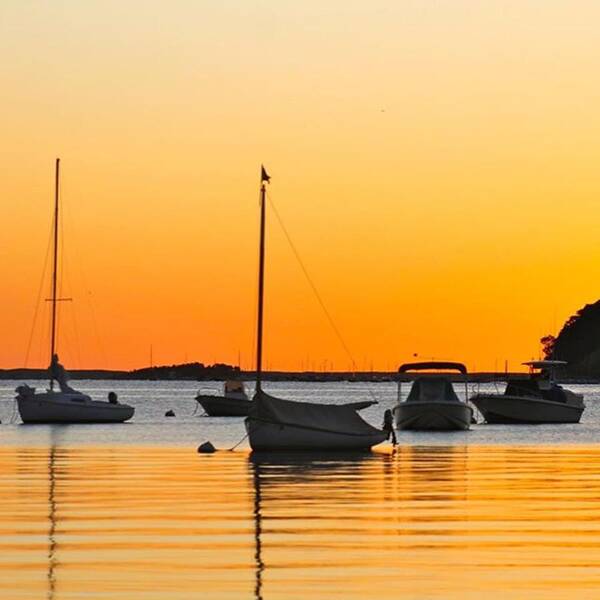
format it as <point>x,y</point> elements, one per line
<point>429,389</point>
<point>424,366</point>
<point>335,418</point>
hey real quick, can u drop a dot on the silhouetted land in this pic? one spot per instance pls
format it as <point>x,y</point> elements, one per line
<point>189,371</point>
<point>578,343</point>
<point>221,372</point>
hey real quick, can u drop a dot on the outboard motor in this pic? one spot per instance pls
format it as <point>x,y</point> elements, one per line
<point>24,391</point>
<point>388,425</point>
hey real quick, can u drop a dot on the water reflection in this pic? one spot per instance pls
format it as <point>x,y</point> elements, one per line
<point>260,565</point>
<point>52,519</point>
<point>282,480</point>
<point>434,522</point>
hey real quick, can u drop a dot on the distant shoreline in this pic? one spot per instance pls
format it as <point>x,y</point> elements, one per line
<point>224,372</point>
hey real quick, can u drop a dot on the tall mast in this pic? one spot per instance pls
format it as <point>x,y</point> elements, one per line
<point>53,298</point>
<point>264,178</point>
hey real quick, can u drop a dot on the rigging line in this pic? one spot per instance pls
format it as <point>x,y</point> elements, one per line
<point>312,285</point>
<point>39,298</point>
<point>68,279</point>
<point>60,267</point>
<point>317,295</point>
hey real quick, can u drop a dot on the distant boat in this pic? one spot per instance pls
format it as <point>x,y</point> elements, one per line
<point>536,400</point>
<point>432,403</point>
<point>233,403</point>
<point>65,405</point>
<point>276,424</point>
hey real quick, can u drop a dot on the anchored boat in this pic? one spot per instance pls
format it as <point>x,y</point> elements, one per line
<point>536,400</point>
<point>64,405</point>
<point>275,424</point>
<point>233,403</point>
<point>432,403</point>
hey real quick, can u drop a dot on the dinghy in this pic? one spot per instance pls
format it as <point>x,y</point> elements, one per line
<point>64,405</point>
<point>276,424</point>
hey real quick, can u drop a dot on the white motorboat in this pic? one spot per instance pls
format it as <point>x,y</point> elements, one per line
<point>536,400</point>
<point>275,424</point>
<point>65,405</point>
<point>432,403</point>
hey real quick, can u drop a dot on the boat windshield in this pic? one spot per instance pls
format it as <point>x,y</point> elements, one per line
<point>432,389</point>
<point>234,386</point>
<point>522,387</point>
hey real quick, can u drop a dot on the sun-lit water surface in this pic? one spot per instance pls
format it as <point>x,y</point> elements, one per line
<point>424,522</point>
<point>133,512</point>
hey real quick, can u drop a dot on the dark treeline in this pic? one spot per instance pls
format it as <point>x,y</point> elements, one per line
<point>578,343</point>
<point>222,372</point>
<point>191,371</point>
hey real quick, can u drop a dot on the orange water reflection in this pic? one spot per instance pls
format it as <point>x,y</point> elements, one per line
<point>426,522</point>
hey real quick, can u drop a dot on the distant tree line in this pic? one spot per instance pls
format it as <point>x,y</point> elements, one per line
<point>193,371</point>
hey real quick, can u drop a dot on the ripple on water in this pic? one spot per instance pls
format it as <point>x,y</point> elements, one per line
<point>425,522</point>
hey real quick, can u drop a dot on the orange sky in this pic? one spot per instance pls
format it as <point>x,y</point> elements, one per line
<point>435,164</point>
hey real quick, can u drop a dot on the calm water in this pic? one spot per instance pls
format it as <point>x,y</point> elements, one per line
<point>187,429</point>
<point>132,512</point>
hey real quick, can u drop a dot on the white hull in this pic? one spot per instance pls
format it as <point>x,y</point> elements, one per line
<point>503,409</point>
<point>60,407</point>
<point>270,436</point>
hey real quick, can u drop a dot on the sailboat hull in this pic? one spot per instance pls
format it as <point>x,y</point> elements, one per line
<point>59,407</point>
<point>264,436</point>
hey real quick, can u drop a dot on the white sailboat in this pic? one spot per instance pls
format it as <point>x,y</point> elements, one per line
<point>276,424</point>
<point>64,405</point>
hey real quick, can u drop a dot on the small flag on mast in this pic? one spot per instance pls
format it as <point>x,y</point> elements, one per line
<point>263,175</point>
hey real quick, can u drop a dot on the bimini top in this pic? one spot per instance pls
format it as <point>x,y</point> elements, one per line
<point>423,366</point>
<point>545,364</point>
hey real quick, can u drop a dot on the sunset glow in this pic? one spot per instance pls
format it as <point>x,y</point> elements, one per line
<point>434,163</point>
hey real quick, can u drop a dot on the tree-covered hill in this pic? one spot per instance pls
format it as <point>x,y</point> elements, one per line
<point>578,342</point>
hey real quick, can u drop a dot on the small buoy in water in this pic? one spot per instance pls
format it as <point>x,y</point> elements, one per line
<point>169,413</point>
<point>206,448</point>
